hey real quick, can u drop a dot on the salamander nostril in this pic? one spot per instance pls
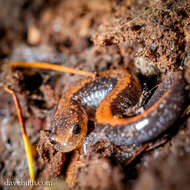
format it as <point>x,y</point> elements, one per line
<point>52,139</point>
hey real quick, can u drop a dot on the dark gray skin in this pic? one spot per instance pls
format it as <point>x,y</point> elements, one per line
<point>162,110</point>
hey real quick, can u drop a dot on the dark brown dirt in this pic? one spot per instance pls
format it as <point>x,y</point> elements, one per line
<point>149,38</point>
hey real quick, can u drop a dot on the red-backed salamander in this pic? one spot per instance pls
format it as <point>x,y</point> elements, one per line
<point>103,97</point>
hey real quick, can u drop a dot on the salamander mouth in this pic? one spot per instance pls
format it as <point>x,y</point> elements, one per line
<point>65,147</point>
<point>62,147</point>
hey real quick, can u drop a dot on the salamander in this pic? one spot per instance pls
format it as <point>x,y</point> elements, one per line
<point>106,98</point>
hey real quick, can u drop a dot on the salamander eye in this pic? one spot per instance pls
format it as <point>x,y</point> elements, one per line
<point>75,128</point>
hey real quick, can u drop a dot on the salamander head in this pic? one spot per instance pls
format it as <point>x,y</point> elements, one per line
<point>68,127</point>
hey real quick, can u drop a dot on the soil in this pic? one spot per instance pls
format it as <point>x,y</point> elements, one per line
<point>149,38</point>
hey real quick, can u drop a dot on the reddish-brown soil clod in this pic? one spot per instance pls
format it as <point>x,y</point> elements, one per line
<point>52,159</point>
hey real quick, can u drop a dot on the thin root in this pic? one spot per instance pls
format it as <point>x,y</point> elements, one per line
<point>28,148</point>
<point>43,65</point>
